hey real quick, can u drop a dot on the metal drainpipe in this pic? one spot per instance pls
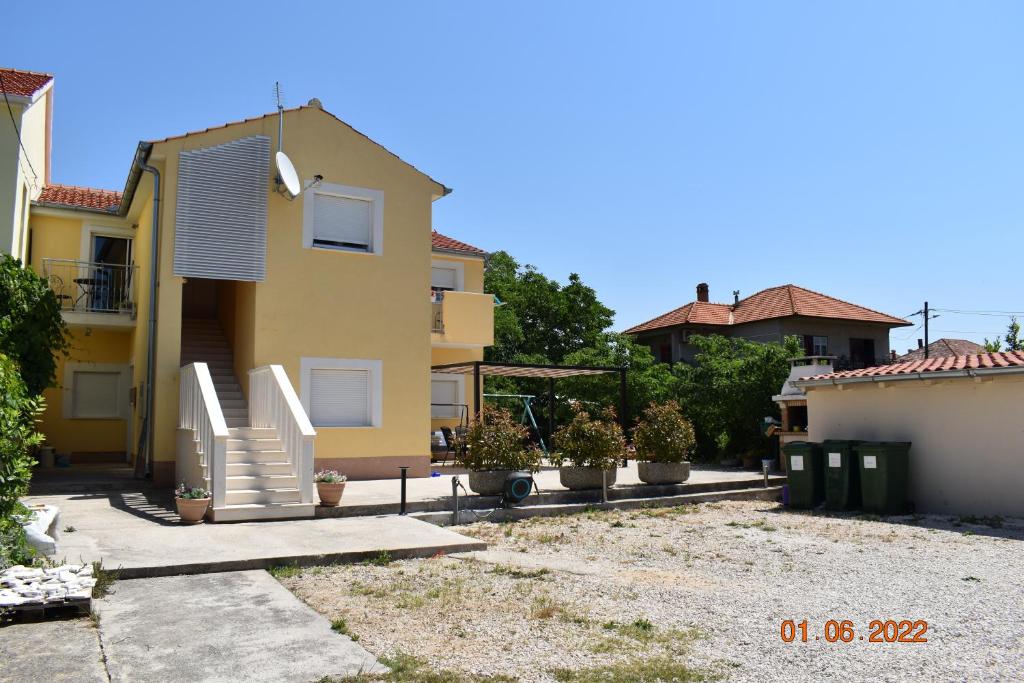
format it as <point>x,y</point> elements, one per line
<point>154,264</point>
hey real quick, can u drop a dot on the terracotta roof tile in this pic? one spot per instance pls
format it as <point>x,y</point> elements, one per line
<point>80,197</point>
<point>1009,359</point>
<point>23,83</point>
<point>445,243</point>
<point>945,347</point>
<point>775,302</point>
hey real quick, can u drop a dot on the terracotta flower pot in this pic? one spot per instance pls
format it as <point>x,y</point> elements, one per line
<point>330,494</point>
<point>192,510</point>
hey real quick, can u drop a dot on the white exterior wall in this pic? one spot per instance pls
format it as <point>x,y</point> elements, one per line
<point>968,436</point>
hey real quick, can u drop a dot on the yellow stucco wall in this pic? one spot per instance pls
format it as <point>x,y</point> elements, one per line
<point>86,435</point>
<point>16,180</point>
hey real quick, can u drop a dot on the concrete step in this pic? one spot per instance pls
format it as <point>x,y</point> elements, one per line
<point>257,511</point>
<point>261,496</point>
<point>236,422</point>
<point>247,432</point>
<point>267,468</point>
<point>233,404</point>
<point>267,456</point>
<point>235,412</point>
<point>270,443</point>
<point>272,482</point>
<point>229,395</point>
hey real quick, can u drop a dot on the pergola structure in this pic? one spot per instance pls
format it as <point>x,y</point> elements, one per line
<point>483,368</point>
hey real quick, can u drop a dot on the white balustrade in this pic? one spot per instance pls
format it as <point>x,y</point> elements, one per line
<point>274,404</point>
<point>199,410</point>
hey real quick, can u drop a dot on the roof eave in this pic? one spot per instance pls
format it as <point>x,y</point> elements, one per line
<point>464,254</point>
<point>142,153</point>
<point>935,374</point>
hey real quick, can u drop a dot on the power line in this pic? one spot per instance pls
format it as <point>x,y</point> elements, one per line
<point>17,133</point>
<point>998,314</point>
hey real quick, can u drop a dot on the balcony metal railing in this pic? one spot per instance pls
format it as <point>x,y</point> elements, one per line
<point>86,287</point>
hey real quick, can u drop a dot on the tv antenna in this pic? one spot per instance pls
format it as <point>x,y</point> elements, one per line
<point>287,179</point>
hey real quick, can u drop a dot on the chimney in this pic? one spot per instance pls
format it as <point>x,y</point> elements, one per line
<point>735,296</point>
<point>920,343</point>
<point>892,355</point>
<point>702,292</point>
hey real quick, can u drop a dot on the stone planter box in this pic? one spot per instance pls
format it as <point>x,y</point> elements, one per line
<point>192,510</point>
<point>663,472</point>
<point>330,494</point>
<point>581,478</point>
<point>488,482</point>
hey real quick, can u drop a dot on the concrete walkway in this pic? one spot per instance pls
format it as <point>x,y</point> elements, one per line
<point>235,626</point>
<point>382,496</point>
<point>63,651</point>
<point>138,533</point>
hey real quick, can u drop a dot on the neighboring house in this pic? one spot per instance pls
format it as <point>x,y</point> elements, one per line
<point>307,318</point>
<point>963,415</point>
<point>855,335</point>
<point>942,349</point>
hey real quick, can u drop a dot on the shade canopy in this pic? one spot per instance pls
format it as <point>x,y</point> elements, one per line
<point>495,368</point>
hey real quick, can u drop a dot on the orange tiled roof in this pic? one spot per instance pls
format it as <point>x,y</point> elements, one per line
<point>976,361</point>
<point>23,83</point>
<point>775,302</point>
<point>445,243</point>
<point>80,197</point>
<point>943,348</point>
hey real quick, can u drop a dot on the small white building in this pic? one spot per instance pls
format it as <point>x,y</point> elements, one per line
<point>963,414</point>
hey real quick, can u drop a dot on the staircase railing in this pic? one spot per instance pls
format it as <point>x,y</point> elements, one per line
<point>274,404</point>
<point>199,410</point>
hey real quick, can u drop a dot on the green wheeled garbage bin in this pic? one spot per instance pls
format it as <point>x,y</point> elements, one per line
<point>804,474</point>
<point>842,474</point>
<point>884,476</point>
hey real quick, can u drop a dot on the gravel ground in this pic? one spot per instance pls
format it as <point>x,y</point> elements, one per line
<point>706,585</point>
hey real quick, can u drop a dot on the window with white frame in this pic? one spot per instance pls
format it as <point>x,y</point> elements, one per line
<point>95,391</point>
<point>443,279</point>
<point>343,217</point>
<point>446,397</point>
<point>341,392</point>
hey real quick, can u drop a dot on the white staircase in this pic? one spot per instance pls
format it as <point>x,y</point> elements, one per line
<point>261,480</point>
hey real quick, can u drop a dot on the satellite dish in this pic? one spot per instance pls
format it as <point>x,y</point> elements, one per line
<point>286,174</point>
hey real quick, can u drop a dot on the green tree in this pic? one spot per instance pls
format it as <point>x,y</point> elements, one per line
<point>1012,339</point>
<point>540,319</point>
<point>32,330</point>
<point>18,411</point>
<point>728,391</point>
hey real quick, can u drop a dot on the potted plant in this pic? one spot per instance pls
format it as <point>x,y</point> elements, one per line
<point>192,502</point>
<point>329,487</point>
<point>495,447</point>
<point>664,439</point>
<point>588,449</point>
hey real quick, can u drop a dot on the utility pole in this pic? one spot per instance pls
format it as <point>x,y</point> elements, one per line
<point>926,330</point>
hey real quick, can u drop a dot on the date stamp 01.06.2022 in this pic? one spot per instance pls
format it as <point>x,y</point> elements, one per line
<point>836,631</point>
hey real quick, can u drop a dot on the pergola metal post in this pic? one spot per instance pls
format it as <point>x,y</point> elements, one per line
<point>551,410</point>
<point>476,391</point>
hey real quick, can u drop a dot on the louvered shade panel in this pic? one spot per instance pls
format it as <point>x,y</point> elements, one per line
<point>221,217</point>
<point>339,398</point>
<point>342,221</point>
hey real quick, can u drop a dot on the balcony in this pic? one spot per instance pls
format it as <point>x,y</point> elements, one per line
<point>98,295</point>
<point>461,319</point>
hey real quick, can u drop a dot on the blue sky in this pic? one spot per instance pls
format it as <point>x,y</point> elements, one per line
<point>868,150</point>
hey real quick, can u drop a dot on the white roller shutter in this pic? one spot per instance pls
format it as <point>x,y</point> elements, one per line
<point>220,229</point>
<point>342,221</point>
<point>96,395</point>
<point>339,398</point>
<point>443,278</point>
<point>444,393</point>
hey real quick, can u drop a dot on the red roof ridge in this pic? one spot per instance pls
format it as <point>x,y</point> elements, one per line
<point>975,361</point>
<point>24,83</point>
<point>446,243</point>
<point>77,196</point>
<point>849,303</point>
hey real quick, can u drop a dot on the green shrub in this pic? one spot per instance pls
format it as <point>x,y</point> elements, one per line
<point>18,412</point>
<point>590,441</point>
<point>32,330</point>
<point>496,441</point>
<point>663,434</point>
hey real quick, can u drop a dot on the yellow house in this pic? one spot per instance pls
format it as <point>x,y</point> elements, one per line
<point>238,328</point>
